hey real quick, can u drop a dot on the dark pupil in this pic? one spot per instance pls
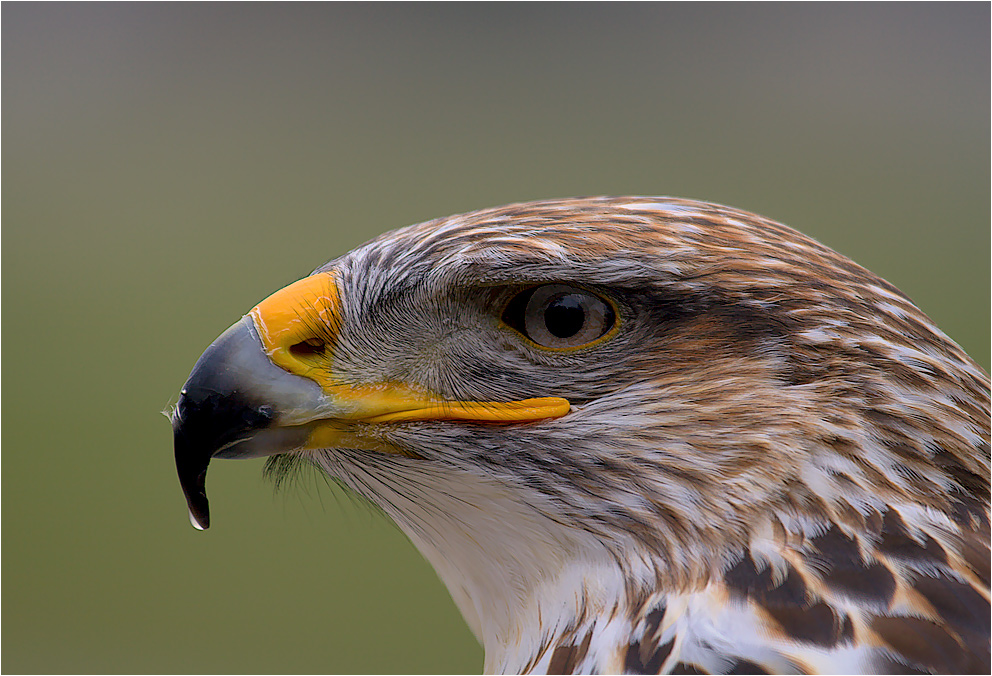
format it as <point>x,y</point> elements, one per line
<point>565,316</point>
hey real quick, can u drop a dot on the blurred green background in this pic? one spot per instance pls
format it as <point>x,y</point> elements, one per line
<point>167,166</point>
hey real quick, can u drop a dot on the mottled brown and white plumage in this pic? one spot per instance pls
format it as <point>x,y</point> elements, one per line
<point>772,460</point>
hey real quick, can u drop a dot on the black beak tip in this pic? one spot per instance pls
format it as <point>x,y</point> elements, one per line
<point>196,500</point>
<point>192,469</point>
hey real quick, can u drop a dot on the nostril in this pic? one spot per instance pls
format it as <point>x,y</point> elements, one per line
<point>311,347</point>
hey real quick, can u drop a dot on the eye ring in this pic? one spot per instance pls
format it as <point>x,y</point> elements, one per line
<point>560,316</point>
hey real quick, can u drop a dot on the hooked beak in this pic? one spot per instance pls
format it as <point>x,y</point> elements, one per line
<point>267,385</point>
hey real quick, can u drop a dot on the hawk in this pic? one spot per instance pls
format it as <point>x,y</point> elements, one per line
<point>643,435</point>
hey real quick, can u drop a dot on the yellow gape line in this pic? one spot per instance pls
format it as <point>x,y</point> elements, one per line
<point>481,411</point>
<point>299,325</point>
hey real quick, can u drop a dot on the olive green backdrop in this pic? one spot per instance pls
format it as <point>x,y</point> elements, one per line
<point>167,166</point>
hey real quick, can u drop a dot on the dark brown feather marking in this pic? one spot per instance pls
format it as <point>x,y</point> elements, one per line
<point>958,604</point>
<point>973,484</point>
<point>746,667</point>
<point>565,659</point>
<point>684,668</point>
<point>923,642</point>
<point>847,630</point>
<point>813,624</point>
<point>562,659</point>
<point>645,656</point>
<point>789,604</point>
<point>897,543</point>
<point>653,621</point>
<point>744,579</point>
<point>847,573</point>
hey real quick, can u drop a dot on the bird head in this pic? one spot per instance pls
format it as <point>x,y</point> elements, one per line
<point>636,383</point>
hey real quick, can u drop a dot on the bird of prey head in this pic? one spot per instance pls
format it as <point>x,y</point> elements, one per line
<point>633,435</point>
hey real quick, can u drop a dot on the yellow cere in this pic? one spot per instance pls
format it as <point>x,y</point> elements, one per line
<point>303,311</point>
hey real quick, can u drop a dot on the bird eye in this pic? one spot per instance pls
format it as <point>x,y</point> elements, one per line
<point>560,316</point>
